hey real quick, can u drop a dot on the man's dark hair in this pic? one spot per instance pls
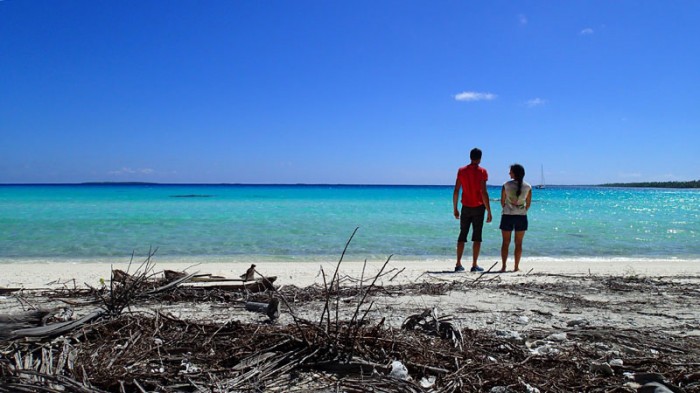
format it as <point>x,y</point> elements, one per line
<point>475,154</point>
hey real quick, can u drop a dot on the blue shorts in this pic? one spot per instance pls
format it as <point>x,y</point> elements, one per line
<point>513,223</point>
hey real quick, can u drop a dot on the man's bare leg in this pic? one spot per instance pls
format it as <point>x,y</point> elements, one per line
<point>460,251</point>
<point>476,247</point>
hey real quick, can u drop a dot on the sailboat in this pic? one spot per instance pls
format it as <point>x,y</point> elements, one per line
<point>541,185</point>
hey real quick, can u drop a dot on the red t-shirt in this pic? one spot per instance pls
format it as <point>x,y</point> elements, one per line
<point>471,177</point>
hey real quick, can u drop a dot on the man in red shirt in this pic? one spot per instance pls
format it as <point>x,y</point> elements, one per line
<point>471,179</point>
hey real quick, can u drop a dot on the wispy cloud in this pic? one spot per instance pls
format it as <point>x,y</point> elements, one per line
<point>586,31</point>
<point>535,102</point>
<point>630,175</point>
<point>130,171</point>
<point>474,96</point>
<point>522,19</point>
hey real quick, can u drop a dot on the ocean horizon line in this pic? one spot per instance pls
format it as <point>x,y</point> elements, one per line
<point>107,183</point>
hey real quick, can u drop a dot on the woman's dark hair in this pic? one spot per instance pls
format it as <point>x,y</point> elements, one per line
<point>519,174</point>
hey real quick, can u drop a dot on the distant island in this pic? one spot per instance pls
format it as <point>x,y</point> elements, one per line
<point>117,183</point>
<point>657,184</point>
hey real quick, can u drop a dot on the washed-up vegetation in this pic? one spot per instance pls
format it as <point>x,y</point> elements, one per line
<point>119,344</point>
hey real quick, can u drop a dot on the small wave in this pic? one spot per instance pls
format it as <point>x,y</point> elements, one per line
<point>192,196</point>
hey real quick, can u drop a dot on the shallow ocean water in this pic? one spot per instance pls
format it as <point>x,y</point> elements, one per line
<point>314,222</point>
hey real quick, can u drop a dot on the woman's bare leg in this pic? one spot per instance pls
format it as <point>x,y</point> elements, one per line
<point>519,235</point>
<point>504,248</point>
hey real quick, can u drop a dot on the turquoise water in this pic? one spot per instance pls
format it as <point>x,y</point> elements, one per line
<point>238,222</point>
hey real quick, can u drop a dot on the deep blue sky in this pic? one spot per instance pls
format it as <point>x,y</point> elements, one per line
<point>307,91</point>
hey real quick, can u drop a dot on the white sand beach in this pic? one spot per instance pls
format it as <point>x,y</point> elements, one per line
<point>660,293</point>
<point>49,275</point>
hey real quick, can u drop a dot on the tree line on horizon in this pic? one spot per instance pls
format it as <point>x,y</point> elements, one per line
<point>658,184</point>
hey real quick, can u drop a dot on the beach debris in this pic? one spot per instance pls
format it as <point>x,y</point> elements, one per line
<point>111,352</point>
<point>121,276</point>
<point>545,350</point>
<point>616,362</point>
<point>655,383</point>
<point>529,388</point>
<point>642,377</point>
<point>249,274</point>
<point>64,314</point>
<point>509,335</point>
<point>558,337</point>
<point>427,382</point>
<point>602,368</point>
<point>172,279</point>
<point>146,348</point>
<point>209,282</point>
<point>692,378</point>
<point>246,283</point>
<point>501,389</point>
<point>429,322</point>
<point>271,309</point>
<point>654,387</point>
<point>577,322</point>
<point>398,370</point>
<point>15,321</point>
<point>56,329</point>
<point>188,366</point>
<point>523,320</point>
<point>7,291</point>
<point>172,275</point>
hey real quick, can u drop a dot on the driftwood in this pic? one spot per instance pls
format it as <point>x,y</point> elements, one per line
<point>260,285</point>
<point>25,324</point>
<point>56,329</point>
<point>27,319</point>
<point>171,275</point>
<point>121,276</point>
<point>171,284</point>
<point>271,309</point>
<point>23,319</point>
<point>209,281</point>
<point>7,291</point>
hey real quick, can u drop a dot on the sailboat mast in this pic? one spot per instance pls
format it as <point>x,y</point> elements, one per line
<point>541,185</point>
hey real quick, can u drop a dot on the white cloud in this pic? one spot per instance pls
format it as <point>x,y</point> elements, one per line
<point>522,19</point>
<point>535,102</point>
<point>586,31</point>
<point>474,96</point>
<point>130,171</point>
<point>632,175</point>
